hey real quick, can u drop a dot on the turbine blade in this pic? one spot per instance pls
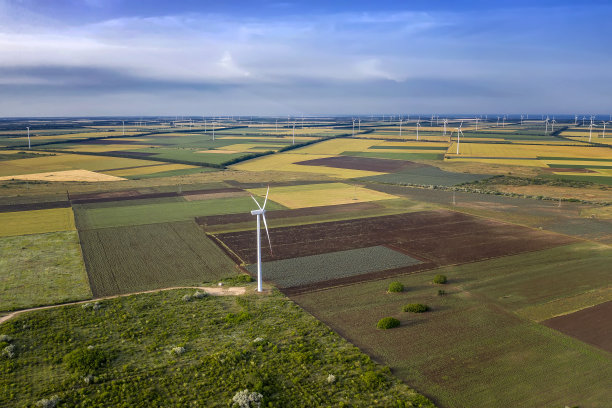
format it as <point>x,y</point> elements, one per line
<point>266,200</point>
<point>267,233</point>
<point>256,203</point>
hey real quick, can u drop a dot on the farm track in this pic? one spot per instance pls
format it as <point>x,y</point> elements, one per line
<point>218,291</point>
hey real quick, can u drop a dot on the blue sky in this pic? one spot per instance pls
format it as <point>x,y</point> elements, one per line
<point>126,57</point>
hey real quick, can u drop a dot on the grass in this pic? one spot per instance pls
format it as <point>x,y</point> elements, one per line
<point>312,195</point>
<point>471,348</point>
<point>317,268</point>
<point>41,269</point>
<point>36,221</point>
<point>150,213</point>
<point>136,258</point>
<point>265,344</point>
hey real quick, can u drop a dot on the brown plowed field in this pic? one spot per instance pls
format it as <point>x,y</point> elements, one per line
<point>442,237</point>
<point>592,325</point>
<point>361,163</point>
<point>301,212</point>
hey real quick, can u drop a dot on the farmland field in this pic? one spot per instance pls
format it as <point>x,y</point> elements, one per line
<point>435,236</point>
<point>136,258</point>
<point>493,351</point>
<point>326,194</point>
<point>103,217</point>
<point>36,221</point>
<point>318,268</point>
<point>591,325</point>
<point>261,343</point>
<point>41,269</point>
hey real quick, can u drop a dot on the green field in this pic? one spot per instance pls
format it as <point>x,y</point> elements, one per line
<point>316,268</point>
<point>144,257</point>
<point>139,214</point>
<point>261,343</point>
<point>36,221</point>
<point>426,175</point>
<point>472,349</point>
<point>41,269</point>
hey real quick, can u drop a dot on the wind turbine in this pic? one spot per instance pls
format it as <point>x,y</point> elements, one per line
<point>353,127</point>
<point>261,213</point>
<point>575,120</point>
<point>293,133</point>
<point>29,146</point>
<point>123,127</point>
<point>522,120</point>
<point>459,131</point>
<point>445,123</point>
<point>553,124</point>
<point>359,124</point>
<point>546,122</point>
<point>590,130</point>
<point>418,126</point>
<point>603,135</point>
<point>400,128</point>
<point>583,119</point>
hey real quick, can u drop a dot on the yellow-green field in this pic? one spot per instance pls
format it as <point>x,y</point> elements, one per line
<point>36,221</point>
<point>314,195</point>
<point>149,170</point>
<point>337,146</point>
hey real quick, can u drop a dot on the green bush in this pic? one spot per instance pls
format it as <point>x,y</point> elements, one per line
<point>439,279</point>
<point>416,308</point>
<point>387,323</point>
<point>87,360</point>
<point>396,287</point>
<point>441,292</point>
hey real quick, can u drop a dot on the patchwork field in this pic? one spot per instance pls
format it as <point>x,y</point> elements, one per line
<point>313,269</point>
<point>591,325</point>
<point>437,237</point>
<point>144,257</point>
<point>41,269</point>
<point>492,351</point>
<point>327,194</point>
<point>355,163</point>
<point>36,221</point>
<point>149,213</point>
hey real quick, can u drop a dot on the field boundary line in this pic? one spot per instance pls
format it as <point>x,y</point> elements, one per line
<point>213,291</point>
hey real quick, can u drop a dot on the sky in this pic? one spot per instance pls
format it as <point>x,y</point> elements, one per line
<point>206,58</point>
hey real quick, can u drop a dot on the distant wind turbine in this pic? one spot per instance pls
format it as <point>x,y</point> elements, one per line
<point>400,128</point>
<point>603,135</point>
<point>261,212</point>
<point>293,133</point>
<point>29,145</point>
<point>417,128</point>
<point>590,131</point>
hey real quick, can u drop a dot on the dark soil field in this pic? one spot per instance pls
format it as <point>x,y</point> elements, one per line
<point>137,195</point>
<point>128,259</point>
<point>322,210</point>
<point>440,237</point>
<point>361,163</point>
<point>592,325</point>
<point>34,206</point>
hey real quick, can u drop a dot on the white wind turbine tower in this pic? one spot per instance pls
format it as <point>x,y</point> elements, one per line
<point>445,123</point>
<point>583,119</point>
<point>504,121</point>
<point>575,120</point>
<point>417,128</point>
<point>29,146</point>
<point>590,131</point>
<point>522,120</point>
<point>359,124</point>
<point>497,121</point>
<point>261,213</point>
<point>603,135</point>
<point>353,127</point>
<point>400,123</point>
<point>459,132</point>
<point>123,127</point>
<point>546,122</point>
<point>476,123</point>
<point>293,133</point>
<point>553,124</point>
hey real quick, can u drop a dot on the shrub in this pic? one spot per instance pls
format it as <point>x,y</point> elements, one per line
<point>177,350</point>
<point>5,338</point>
<point>187,298</point>
<point>246,399</point>
<point>48,403</point>
<point>387,323</point>
<point>200,295</point>
<point>372,379</point>
<point>415,308</point>
<point>9,351</point>
<point>87,360</point>
<point>396,287</point>
<point>439,279</point>
<point>441,292</point>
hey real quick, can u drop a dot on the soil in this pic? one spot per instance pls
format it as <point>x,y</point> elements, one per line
<point>592,325</point>
<point>362,163</point>
<point>136,195</point>
<point>34,206</point>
